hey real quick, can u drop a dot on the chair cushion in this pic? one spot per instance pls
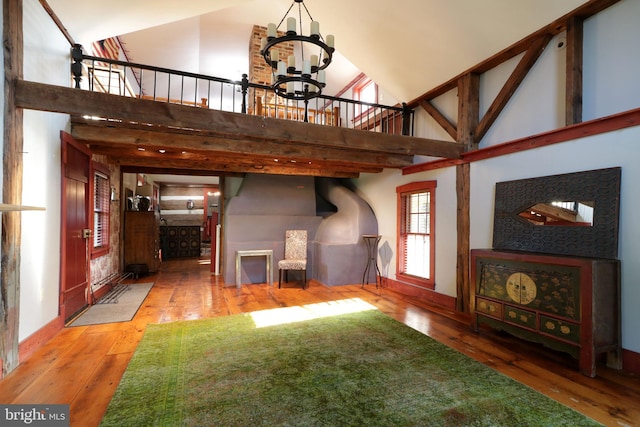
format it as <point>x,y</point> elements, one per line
<point>292,264</point>
<point>295,244</point>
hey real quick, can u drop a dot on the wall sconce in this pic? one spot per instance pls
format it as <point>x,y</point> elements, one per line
<point>190,204</point>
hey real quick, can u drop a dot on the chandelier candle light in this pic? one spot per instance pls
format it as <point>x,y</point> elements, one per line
<point>300,76</point>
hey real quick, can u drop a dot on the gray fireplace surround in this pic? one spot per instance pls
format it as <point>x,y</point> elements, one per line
<point>265,206</point>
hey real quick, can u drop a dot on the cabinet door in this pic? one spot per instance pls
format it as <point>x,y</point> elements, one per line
<point>553,289</point>
<point>141,236</point>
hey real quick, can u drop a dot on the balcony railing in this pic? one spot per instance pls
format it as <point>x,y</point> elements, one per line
<point>198,90</point>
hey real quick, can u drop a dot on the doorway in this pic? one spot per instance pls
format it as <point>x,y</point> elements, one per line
<point>76,234</point>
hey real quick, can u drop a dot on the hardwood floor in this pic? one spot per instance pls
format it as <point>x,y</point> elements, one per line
<point>82,366</point>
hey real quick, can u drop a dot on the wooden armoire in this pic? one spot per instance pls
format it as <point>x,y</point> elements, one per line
<point>141,241</point>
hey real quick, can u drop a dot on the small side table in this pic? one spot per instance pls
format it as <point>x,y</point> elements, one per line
<point>371,241</point>
<point>267,253</point>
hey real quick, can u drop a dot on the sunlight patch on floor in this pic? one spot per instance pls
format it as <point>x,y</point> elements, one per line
<point>415,319</point>
<point>279,316</point>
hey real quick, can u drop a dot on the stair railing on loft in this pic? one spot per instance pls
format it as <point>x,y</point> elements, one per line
<point>198,90</point>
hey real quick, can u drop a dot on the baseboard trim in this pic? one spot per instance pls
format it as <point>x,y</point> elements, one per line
<point>420,293</point>
<point>36,340</point>
<point>631,361</point>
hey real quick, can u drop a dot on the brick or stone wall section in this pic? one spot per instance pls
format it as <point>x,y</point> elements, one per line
<point>259,71</point>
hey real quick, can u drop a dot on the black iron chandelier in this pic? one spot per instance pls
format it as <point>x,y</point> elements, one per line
<point>300,76</point>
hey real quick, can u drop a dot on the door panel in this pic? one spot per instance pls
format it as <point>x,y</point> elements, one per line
<point>75,267</point>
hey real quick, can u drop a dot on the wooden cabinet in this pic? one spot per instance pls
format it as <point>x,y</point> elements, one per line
<point>180,241</point>
<point>141,240</point>
<point>570,304</point>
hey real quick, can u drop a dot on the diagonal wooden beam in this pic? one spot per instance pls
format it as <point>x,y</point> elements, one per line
<point>447,125</point>
<point>44,97</point>
<point>510,86</point>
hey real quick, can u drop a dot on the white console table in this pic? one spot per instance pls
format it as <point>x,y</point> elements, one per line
<point>267,253</point>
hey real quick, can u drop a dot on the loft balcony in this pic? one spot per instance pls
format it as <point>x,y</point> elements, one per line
<point>163,120</point>
<point>241,96</point>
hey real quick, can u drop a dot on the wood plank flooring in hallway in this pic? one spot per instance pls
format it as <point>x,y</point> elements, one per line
<point>82,366</point>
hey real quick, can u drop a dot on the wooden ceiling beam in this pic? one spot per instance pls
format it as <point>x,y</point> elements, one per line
<point>226,163</point>
<point>44,97</point>
<point>157,137</point>
<point>225,169</point>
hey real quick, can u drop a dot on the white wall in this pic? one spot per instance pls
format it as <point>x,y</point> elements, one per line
<point>611,61</point>
<point>611,43</point>
<point>379,190</point>
<point>46,54</point>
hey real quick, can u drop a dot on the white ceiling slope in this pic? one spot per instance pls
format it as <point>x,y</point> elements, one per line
<point>406,46</point>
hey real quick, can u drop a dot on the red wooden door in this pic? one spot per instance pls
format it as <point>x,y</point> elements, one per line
<point>74,269</point>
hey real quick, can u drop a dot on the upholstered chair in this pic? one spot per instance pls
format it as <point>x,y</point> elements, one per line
<point>295,255</point>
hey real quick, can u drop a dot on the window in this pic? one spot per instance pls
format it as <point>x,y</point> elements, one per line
<point>365,91</point>
<point>416,234</point>
<point>101,198</point>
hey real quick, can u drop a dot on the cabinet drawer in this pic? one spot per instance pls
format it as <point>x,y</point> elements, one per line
<point>488,307</point>
<point>558,328</point>
<point>520,317</point>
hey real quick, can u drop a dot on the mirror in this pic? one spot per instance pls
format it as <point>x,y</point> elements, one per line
<point>560,213</point>
<point>574,214</point>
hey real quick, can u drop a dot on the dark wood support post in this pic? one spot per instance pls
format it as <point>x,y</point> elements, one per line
<point>11,187</point>
<point>468,119</point>
<point>245,88</point>
<point>468,110</point>
<point>76,66</point>
<point>406,119</point>
<point>573,92</point>
<point>464,300</point>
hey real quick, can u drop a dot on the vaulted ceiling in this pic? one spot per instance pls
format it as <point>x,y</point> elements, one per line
<point>406,47</point>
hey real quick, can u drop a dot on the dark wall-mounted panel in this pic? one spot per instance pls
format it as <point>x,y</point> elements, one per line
<point>600,240</point>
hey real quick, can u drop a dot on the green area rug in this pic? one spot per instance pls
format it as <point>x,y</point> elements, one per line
<point>358,368</point>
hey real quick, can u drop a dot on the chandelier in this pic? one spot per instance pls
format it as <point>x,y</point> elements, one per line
<point>297,74</point>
